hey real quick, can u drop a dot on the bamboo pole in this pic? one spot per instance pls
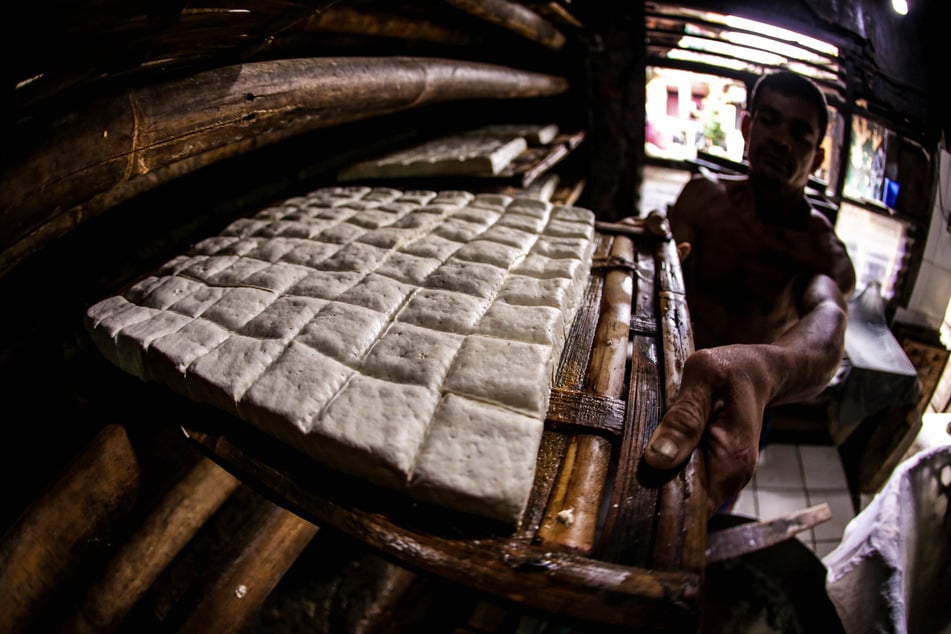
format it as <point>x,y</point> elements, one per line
<point>45,547</point>
<point>682,513</point>
<point>115,148</point>
<point>363,22</point>
<point>273,542</point>
<point>170,525</point>
<point>572,515</point>
<point>516,18</point>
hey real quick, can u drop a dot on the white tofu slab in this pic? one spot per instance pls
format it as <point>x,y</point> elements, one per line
<point>403,337</point>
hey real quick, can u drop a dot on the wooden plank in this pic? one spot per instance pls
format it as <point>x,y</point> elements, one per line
<point>148,136</point>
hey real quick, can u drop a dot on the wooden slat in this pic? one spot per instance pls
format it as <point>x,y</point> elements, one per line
<point>570,408</point>
<point>572,515</point>
<point>113,149</point>
<point>570,375</point>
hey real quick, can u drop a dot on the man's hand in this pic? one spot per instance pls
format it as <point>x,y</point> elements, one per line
<point>723,394</point>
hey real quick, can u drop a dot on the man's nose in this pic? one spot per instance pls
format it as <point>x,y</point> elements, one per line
<point>781,137</point>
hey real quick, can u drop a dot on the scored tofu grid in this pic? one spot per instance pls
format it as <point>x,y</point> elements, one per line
<point>404,337</point>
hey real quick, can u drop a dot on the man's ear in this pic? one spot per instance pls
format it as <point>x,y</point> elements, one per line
<point>746,119</point>
<point>818,158</point>
<point>683,250</point>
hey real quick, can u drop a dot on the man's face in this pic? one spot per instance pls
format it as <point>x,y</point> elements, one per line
<point>781,139</point>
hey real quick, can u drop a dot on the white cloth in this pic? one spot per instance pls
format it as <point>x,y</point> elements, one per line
<point>892,571</point>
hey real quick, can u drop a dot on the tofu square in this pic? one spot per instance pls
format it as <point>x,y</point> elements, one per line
<point>446,311</point>
<point>511,374</point>
<point>380,426</point>
<point>409,354</point>
<point>478,458</point>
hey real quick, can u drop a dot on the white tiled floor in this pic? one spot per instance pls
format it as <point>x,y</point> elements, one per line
<point>793,477</point>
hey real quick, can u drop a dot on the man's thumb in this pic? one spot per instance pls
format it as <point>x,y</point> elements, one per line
<point>662,452</point>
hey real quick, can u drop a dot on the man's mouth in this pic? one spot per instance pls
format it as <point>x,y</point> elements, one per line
<point>774,161</point>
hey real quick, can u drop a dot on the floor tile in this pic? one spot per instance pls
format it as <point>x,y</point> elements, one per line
<point>746,503</point>
<point>774,503</point>
<point>822,467</point>
<point>808,539</point>
<point>840,503</point>
<point>779,468</point>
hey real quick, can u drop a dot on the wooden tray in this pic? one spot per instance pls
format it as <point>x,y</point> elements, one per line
<point>604,539</point>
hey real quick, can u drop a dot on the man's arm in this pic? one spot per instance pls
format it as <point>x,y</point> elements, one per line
<point>725,390</point>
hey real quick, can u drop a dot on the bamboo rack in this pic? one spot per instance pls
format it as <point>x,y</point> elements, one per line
<point>603,540</point>
<point>135,141</point>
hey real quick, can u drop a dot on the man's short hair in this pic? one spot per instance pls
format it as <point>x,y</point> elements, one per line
<point>789,83</point>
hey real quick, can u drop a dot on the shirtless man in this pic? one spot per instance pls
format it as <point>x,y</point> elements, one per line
<point>767,281</point>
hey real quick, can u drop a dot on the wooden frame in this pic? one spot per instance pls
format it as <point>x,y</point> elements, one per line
<point>604,540</point>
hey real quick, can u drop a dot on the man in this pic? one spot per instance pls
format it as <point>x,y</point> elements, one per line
<point>767,281</point>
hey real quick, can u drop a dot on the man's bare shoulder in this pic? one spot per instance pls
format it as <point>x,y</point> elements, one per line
<point>705,188</point>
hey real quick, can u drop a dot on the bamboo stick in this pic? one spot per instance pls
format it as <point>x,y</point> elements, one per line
<point>515,17</point>
<point>628,533</point>
<point>115,148</point>
<point>681,522</point>
<point>349,20</point>
<point>45,546</point>
<point>572,514</point>
<point>274,541</point>
<point>139,562</point>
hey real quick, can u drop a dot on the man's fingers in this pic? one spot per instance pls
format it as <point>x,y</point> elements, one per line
<point>677,435</point>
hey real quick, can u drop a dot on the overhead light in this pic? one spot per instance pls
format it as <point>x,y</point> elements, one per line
<point>900,7</point>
